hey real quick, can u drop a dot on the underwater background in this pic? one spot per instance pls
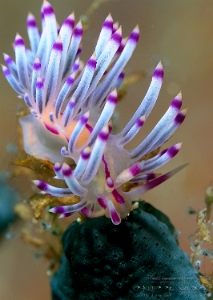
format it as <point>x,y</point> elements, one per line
<point>178,32</point>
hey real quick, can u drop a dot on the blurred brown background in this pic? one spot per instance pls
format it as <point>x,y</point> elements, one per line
<point>178,32</point>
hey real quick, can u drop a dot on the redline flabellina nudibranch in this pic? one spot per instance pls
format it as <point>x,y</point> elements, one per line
<point>71,108</point>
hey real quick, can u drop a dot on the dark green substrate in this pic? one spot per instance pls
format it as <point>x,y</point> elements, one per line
<point>138,259</point>
<point>7,200</point>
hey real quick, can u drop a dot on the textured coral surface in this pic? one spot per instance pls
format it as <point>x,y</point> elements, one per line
<point>138,259</point>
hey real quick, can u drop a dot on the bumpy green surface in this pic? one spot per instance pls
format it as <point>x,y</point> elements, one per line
<point>138,259</point>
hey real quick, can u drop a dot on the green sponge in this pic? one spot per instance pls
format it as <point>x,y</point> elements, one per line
<point>8,198</point>
<point>138,259</point>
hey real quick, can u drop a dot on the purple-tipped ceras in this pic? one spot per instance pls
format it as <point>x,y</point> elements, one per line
<point>71,108</point>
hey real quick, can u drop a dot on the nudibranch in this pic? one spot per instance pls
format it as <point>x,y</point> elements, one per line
<point>71,107</point>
